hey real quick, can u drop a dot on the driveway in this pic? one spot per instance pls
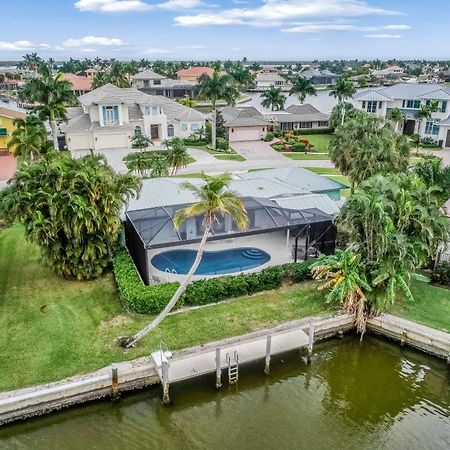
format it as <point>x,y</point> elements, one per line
<point>256,151</point>
<point>7,168</point>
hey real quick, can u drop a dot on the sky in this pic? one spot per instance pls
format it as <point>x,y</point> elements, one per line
<point>227,29</point>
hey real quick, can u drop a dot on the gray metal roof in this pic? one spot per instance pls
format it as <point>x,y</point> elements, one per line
<point>408,91</point>
<point>300,202</point>
<point>371,95</point>
<point>148,75</point>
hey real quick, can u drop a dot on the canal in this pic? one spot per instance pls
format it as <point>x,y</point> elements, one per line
<point>370,395</point>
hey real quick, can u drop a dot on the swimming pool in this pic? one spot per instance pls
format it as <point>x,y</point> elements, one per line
<point>212,263</point>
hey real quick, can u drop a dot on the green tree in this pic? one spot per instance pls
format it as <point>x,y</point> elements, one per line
<point>302,87</point>
<point>100,79</point>
<point>141,141</point>
<point>430,169</point>
<point>159,166</point>
<point>273,98</point>
<point>139,162</point>
<point>29,138</point>
<point>215,201</point>
<point>51,95</point>
<point>218,86</point>
<point>187,101</point>
<point>425,112</point>
<point>70,209</point>
<point>243,77</point>
<point>343,90</point>
<point>178,155</point>
<point>395,116</point>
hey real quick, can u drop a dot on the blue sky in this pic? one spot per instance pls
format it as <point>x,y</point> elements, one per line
<point>219,29</point>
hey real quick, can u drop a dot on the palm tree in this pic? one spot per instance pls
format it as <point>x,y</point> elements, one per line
<point>187,101</point>
<point>215,201</point>
<point>255,67</point>
<point>243,77</point>
<point>344,274</point>
<point>141,141</point>
<point>139,162</point>
<point>425,112</point>
<point>218,86</point>
<point>159,166</point>
<point>51,94</point>
<point>273,98</point>
<point>100,79</point>
<point>343,90</point>
<point>178,156</point>
<point>395,116</point>
<point>118,75</point>
<point>29,138</point>
<point>302,87</point>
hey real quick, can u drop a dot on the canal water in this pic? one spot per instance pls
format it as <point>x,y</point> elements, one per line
<point>370,395</point>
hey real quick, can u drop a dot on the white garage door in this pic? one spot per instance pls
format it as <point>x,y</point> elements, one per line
<point>112,141</point>
<point>245,134</point>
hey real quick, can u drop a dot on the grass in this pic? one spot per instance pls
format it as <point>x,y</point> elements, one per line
<point>307,156</point>
<point>230,157</point>
<point>324,170</point>
<point>52,328</point>
<point>320,141</point>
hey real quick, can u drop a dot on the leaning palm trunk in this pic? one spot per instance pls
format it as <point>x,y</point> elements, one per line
<point>343,113</point>
<point>213,127</point>
<point>54,128</point>
<point>165,312</point>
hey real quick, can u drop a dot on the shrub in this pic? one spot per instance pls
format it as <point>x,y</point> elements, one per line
<point>152,299</point>
<point>298,147</point>
<point>195,142</point>
<point>415,139</point>
<point>269,136</point>
<point>314,131</point>
<point>441,274</point>
<point>278,147</point>
<point>222,144</point>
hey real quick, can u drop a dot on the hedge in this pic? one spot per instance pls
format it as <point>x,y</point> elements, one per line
<point>313,131</point>
<point>152,299</point>
<point>441,274</point>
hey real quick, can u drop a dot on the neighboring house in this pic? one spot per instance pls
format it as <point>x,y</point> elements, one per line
<point>265,80</point>
<point>90,73</point>
<point>194,73</point>
<point>391,73</point>
<point>288,209</point>
<point>109,117</point>
<point>445,75</point>
<point>153,83</point>
<point>317,76</point>
<point>244,123</point>
<point>7,126</point>
<point>80,84</point>
<point>297,117</point>
<point>409,97</point>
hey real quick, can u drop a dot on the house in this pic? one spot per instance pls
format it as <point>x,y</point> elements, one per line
<point>153,83</point>
<point>286,221</point>
<point>194,73</point>
<point>317,76</point>
<point>445,75</point>
<point>90,73</point>
<point>265,80</point>
<point>80,84</point>
<point>391,73</point>
<point>7,117</point>
<point>297,117</point>
<point>244,123</point>
<point>109,117</point>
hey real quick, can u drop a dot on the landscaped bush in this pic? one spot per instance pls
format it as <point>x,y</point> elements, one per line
<point>441,274</point>
<point>152,299</point>
<point>269,136</point>
<point>195,142</point>
<point>291,142</point>
<point>278,147</point>
<point>313,131</point>
<point>415,139</point>
<point>298,147</point>
<point>222,144</point>
<point>429,143</point>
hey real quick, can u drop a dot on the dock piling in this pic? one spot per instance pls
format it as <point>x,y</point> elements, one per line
<point>218,369</point>
<point>310,342</point>
<point>115,381</point>
<point>165,382</point>
<point>268,349</point>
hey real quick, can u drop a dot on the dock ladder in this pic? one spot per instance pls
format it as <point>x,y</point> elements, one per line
<point>233,368</point>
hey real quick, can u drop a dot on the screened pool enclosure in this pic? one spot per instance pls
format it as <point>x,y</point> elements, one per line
<point>305,232</point>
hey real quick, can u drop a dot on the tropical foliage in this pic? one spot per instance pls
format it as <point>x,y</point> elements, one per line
<point>343,90</point>
<point>432,172</point>
<point>273,98</point>
<point>70,209</point>
<point>215,201</point>
<point>301,87</point>
<point>177,156</point>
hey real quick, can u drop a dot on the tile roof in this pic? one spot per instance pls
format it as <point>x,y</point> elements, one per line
<point>269,77</point>
<point>195,71</point>
<point>242,117</point>
<point>148,75</point>
<point>12,113</point>
<point>300,113</point>
<point>79,83</point>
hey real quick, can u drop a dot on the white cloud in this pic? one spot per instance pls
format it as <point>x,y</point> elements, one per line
<point>272,12</point>
<point>319,27</point>
<point>157,51</point>
<point>88,50</point>
<point>180,4</point>
<point>383,36</point>
<point>93,41</point>
<point>111,6</point>
<point>397,27</point>
<point>19,45</point>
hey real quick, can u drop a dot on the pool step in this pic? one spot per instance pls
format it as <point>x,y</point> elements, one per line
<point>253,254</point>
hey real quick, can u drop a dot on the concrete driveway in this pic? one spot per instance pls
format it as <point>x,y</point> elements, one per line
<point>257,150</point>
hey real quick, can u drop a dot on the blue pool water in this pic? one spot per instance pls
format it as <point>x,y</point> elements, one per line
<point>212,263</point>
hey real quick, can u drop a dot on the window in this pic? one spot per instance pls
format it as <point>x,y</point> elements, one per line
<point>323,124</point>
<point>156,82</point>
<point>170,130</point>
<point>195,126</point>
<point>147,110</point>
<point>137,131</point>
<point>184,127</point>
<point>363,105</point>
<point>413,104</point>
<point>3,132</point>
<point>380,105</point>
<point>443,106</point>
<point>155,110</point>
<point>372,107</point>
<point>287,126</point>
<point>305,124</point>
<point>146,83</point>
<point>111,115</point>
<point>431,128</point>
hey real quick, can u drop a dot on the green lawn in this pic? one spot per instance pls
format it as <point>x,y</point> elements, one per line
<point>320,141</point>
<point>324,170</point>
<point>52,328</point>
<point>307,156</point>
<point>232,157</point>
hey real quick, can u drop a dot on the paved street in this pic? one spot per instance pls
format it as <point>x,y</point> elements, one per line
<point>256,151</point>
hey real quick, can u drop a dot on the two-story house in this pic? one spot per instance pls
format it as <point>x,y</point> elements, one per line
<point>409,98</point>
<point>265,80</point>
<point>7,117</point>
<point>153,83</point>
<point>109,117</point>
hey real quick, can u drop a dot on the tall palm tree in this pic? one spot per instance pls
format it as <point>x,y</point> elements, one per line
<point>218,86</point>
<point>118,75</point>
<point>141,141</point>
<point>187,101</point>
<point>178,156</point>
<point>159,166</point>
<point>139,162</point>
<point>29,138</point>
<point>243,77</point>
<point>51,95</point>
<point>100,79</point>
<point>215,201</point>
<point>302,87</point>
<point>395,116</point>
<point>273,98</point>
<point>343,90</point>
